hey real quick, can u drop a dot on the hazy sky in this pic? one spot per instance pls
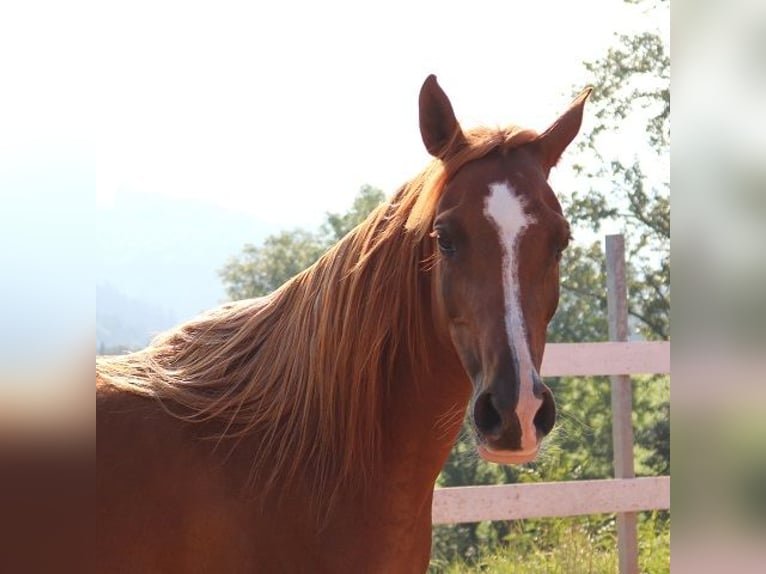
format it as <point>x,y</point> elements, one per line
<point>277,110</point>
<point>284,109</point>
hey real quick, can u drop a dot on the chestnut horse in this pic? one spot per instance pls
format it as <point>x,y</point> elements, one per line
<point>304,431</point>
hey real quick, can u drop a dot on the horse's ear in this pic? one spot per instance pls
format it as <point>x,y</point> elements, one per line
<point>553,141</point>
<point>438,126</point>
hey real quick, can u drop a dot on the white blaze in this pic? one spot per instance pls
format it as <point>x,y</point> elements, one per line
<point>506,210</point>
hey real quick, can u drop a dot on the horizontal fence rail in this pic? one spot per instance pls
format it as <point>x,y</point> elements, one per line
<point>612,358</point>
<point>548,499</point>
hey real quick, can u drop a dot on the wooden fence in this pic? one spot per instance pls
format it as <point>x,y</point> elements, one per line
<point>623,494</point>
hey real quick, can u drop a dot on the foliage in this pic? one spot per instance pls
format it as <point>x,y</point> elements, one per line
<point>339,224</point>
<point>652,424</point>
<point>579,545</point>
<point>581,314</point>
<point>631,187</point>
<point>257,271</point>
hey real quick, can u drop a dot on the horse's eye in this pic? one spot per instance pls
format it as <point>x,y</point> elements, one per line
<point>444,242</point>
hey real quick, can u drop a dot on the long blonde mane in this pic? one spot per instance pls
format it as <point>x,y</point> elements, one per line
<point>307,367</point>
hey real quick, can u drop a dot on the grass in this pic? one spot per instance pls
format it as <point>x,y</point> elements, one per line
<point>568,546</point>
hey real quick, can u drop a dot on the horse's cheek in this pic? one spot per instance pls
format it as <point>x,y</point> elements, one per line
<point>448,291</point>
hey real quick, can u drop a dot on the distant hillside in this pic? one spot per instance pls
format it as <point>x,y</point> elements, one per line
<point>125,322</point>
<point>157,262</point>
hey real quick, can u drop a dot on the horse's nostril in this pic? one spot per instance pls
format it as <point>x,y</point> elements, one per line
<point>545,417</point>
<point>485,415</point>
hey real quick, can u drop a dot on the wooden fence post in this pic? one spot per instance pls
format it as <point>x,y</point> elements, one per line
<point>622,400</point>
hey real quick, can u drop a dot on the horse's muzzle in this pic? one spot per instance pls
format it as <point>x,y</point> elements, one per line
<point>508,434</point>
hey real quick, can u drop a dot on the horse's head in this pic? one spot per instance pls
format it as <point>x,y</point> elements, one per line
<point>499,234</point>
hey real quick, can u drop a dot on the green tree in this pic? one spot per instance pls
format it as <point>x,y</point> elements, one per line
<point>257,271</point>
<point>339,224</point>
<point>581,314</point>
<point>630,186</point>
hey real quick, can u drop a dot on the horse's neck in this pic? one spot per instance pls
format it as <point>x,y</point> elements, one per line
<point>423,414</point>
<point>426,397</point>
